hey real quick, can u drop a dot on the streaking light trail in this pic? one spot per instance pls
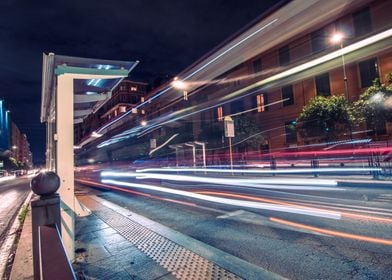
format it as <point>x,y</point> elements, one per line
<point>333,232</point>
<point>233,202</point>
<point>281,171</point>
<point>306,205</point>
<point>300,184</point>
<point>292,71</point>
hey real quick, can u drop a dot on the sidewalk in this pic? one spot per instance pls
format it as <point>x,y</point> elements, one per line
<point>22,267</point>
<point>115,243</point>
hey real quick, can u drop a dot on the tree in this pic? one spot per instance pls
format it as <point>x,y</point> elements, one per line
<point>328,117</point>
<point>374,106</point>
<point>247,133</point>
<point>10,163</point>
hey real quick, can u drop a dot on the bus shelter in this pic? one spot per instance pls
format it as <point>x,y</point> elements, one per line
<point>72,89</point>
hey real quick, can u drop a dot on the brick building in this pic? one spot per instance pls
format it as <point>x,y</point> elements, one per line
<point>20,146</point>
<point>275,66</point>
<point>124,98</point>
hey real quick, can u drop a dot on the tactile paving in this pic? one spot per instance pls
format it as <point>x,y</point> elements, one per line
<point>178,260</point>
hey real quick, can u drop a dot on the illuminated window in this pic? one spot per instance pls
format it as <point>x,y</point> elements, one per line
<point>122,109</point>
<point>133,88</point>
<point>260,102</point>
<point>220,113</point>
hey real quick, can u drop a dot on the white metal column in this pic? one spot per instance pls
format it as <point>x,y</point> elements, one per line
<point>65,158</point>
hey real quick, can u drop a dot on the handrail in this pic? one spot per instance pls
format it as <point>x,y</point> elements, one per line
<point>53,260</point>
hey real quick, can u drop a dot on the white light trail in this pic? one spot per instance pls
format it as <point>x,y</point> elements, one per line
<point>234,202</point>
<point>281,171</point>
<point>161,146</point>
<point>194,72</point>
<point>290,184</point>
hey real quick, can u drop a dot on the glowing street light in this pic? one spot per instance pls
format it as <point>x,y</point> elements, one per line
<point>143,123</point>
<point>179,84</point>
<point>337,38</point>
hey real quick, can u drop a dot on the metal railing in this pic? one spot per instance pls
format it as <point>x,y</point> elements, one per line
<point>50,260</point>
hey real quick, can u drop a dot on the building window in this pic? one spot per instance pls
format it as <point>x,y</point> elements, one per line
<point>319,43</point>
<point>219,112</point>
<point>362,22</point>
<point>290,132</point>
<point>322,85</point>
<point>134,88</point>
<point>284,56</point>
<point>237,106</point>
<point>287,95</point>
<point>122,109</point>
<point>257,65</point>
<point>368,71</point>
<point>134,99</point>
<point>260,103</point>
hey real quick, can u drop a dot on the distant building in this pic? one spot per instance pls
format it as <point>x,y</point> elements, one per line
<point>124,98</point>
<point>4,128</point>
<point>20,146</point>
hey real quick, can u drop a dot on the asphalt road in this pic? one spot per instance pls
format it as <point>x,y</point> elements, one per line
<point>12,195</point>
<point>346,233</point>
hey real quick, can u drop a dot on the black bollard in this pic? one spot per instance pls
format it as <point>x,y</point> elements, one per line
<point>45,210</point>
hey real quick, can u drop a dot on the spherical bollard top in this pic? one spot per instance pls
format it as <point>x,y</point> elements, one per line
<point>45,183</point>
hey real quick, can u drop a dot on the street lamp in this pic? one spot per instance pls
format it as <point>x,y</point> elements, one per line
<point>337,38</point>
<point>180,85</point>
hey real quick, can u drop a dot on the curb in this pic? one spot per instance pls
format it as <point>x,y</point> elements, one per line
<point>6,249</point>
<point>231,263</point>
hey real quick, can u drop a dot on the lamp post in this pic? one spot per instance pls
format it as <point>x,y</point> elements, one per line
<point>180,85</point>
<point>337,38</point>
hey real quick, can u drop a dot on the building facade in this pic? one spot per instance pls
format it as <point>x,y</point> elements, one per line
<point>124,98</point>
<point>270,80</point>
<point>20,146</point>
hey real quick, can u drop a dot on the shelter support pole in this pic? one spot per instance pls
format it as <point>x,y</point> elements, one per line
<point>65,159</point>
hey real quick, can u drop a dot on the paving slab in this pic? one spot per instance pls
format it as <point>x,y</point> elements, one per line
<point>134,247</point>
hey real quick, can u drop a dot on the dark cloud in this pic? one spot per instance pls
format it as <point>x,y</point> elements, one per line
<point>165,35</point>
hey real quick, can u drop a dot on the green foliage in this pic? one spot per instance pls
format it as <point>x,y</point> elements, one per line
<point>247,132</point>
<point>327,117</point>
<point>10,163</point>
<point>23,214</point>
<point>374,106</point>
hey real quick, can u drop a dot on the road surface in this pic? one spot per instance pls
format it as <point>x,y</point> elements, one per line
<point>298,231</point>
<point>12,194</point>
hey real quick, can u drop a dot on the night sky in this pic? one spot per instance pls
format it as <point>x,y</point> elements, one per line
<point>166,36</point>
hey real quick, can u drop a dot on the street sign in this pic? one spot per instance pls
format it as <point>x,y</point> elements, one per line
<point>153,143</point>
<point>229,127</point>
